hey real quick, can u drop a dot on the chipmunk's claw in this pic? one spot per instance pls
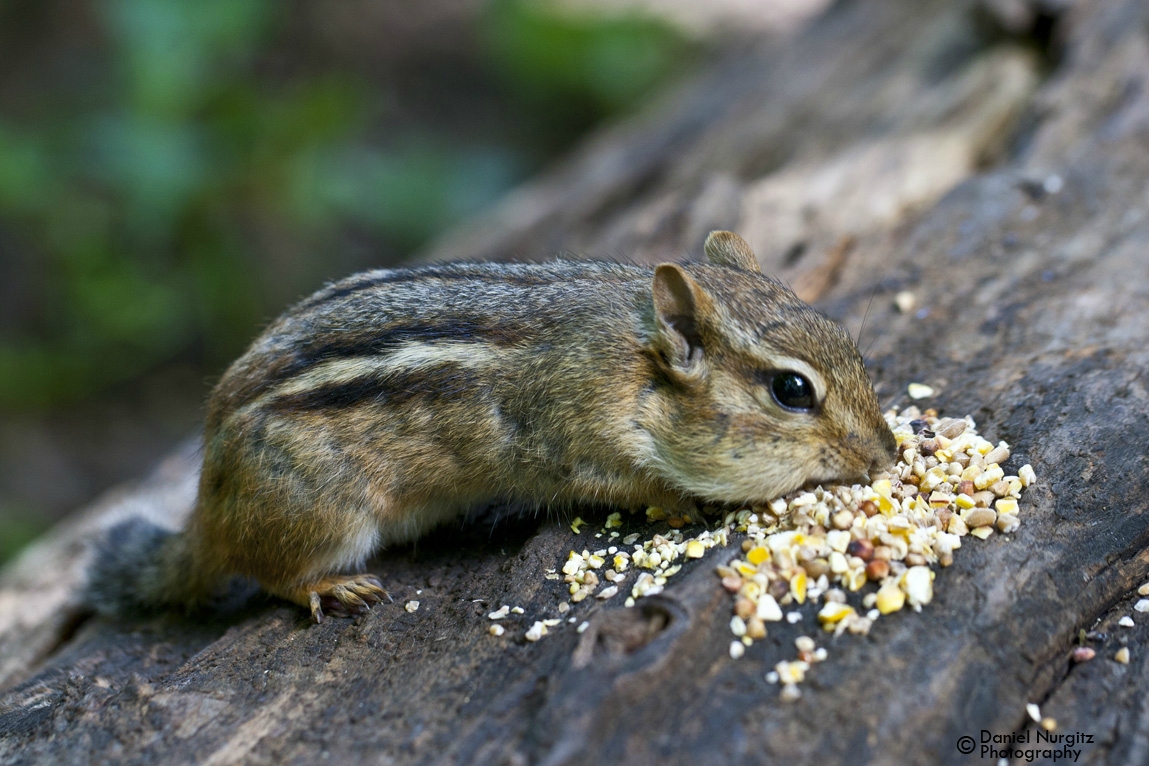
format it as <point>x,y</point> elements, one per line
<point>339,595</point>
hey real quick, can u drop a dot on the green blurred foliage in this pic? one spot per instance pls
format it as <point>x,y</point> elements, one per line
<point>574,70</point>
<point>153,201</point>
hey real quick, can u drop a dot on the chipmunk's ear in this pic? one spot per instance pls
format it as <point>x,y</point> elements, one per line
<point>725,248</point>
<point>679,306</point>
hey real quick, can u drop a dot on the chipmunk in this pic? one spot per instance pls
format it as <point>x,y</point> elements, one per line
<point>392,401</point>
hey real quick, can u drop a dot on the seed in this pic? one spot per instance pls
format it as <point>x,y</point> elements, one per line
<point>737,626</point>
<point>990,477</point>
<point>1026,474</point>
<point>983,499</point>
<point>966,487</point>
<point>1126,622</point>
<point>1122,655</point>
<point>1143,590</point>
<point>535,632</point>
<point>757,555</point>
<point>833,612</point>
<point>695,549</point>
<point>798,586</point>
<point>744,607</point>
<point>951,428</point>
<point>919,584</point>
<point>1000,488</point>
<point>755,628</point>
<point>816,568</point>
<point>915,560</point>
<point>411,606</point>
<point>890,599</point>
<point>1006,505</point>
<point>1142,605</point>
<point>863,549</point>
<point>496,630</point>
<point>979,517</point>
<point>919,391</point>
<point>768,609</point>
<point>1084,653</point>
<point>1007,523</point>
<point>737,649</point>
<point>1000,454</point>
<point>606,593</point>
<point>842,520</point>
<point>732,583</point>
<point>928,447</point>
<point>869,507</point>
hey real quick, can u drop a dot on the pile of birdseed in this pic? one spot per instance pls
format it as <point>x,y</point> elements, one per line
<point>826,545</point>
<point>821,546</point>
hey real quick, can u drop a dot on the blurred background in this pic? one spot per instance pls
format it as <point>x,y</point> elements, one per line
<point>174,174</point>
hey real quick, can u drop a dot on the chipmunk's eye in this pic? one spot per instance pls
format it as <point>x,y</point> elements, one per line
<point>792,391</point>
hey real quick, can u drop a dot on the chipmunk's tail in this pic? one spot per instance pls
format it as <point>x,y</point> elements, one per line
<point>140,567</point>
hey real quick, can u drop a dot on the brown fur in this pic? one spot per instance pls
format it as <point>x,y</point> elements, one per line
<point>394,400</point>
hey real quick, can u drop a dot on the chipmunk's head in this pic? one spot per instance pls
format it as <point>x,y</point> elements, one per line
<point>756,393</point>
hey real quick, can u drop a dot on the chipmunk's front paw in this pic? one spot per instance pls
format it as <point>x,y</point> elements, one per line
<point>342,596</point>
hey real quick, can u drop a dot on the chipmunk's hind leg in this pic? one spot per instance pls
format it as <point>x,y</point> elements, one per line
<point>336,595</point>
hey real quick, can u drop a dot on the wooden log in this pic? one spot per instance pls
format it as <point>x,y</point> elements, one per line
<point>992,159</point>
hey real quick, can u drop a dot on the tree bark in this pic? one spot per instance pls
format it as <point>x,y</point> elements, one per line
<point>992,158</point>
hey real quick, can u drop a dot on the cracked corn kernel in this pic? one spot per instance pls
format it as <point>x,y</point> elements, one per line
<point>1122,655</point>
<point>833,613</point>
<point>1026,475</point>
<point>1006,505</point>
<point>1007,523</point>
<point>496,630</point>
<point>757,555</point>
<point>798,586</point>
<point>654,513</point>
<point>411,606</point>
<point>919,585</point>
<point>695,549</point>
<point>891,598</point>
<point>919,391</point>
<point>768,609</point>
